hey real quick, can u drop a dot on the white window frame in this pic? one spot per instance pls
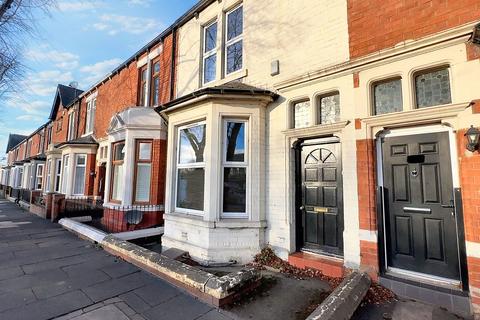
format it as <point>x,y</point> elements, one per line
<point>71,125</point>
<point>188,166</point>
<point>210,53</point>
<point>39,177</point>
<point>78,156</point>
<point>58,174</point>
<point>49,175</point>
<point>90,122</point>
<point>233,41</point>
<point>236,164</point>
<point>65,165</point>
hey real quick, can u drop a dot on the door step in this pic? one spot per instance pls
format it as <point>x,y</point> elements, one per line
<point>453,300</point>
<point>329,266</point>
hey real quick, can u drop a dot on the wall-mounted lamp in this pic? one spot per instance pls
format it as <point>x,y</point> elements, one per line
<point>473,135</point>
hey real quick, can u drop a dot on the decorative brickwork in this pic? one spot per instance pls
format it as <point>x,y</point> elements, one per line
<point>379,24</point>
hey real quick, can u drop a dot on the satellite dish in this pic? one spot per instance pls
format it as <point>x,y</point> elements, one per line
<point>73,84</point>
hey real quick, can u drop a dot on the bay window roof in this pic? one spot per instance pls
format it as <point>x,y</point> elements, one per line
<point>234,87</point>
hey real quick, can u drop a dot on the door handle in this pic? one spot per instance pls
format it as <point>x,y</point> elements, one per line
<point>302,208</point>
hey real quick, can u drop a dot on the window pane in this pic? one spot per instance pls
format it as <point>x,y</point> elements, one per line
<point>235,23</point>
<point>81,160</point>
<point>79,184</point>
<point>117,182</point>
<point>388,97</point>
<point>156,87</point>
<point>235,141</point>
<point>234,189</point>
<point>301,114</point>
<point>39,171</point>
<point>145,150</point>
<point>433,88</point>
<point>192,144</point>
<point>210,37</point>
<point>209,68</point>
<point>330,109</point>
<point>142,191</point>
<point>144,75</point>
<point>190,187</point>
<point>234,56</point>
<point>156,67</point>
<point>119,152</point>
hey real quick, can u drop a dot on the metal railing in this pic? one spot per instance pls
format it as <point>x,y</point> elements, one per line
<point>82,206</point>
<point>37,199</point>
<point>126,218</point>
<point>25,195</point>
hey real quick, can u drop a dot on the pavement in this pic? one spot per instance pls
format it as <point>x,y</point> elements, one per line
<point>404,309</point>
<point>48,273</point>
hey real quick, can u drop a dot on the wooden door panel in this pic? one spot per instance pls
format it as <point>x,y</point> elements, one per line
<point>321,197</point>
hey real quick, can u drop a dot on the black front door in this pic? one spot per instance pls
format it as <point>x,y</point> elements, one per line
<point>321,197</point>
<point>420,221</point>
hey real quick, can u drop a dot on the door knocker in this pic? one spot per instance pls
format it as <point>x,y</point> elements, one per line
<point>414,172</point>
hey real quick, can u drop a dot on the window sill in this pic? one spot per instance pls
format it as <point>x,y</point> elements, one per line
<point>230,223</point>
<point>242,73</point>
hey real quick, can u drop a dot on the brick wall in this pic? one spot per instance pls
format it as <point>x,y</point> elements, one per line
<point>366,178</point>
<point>60,135</point>
<point>21,151</point>
<point>469,164</point>
<point>121,92</point>
<point>378,24</point>
<point>35,149</point>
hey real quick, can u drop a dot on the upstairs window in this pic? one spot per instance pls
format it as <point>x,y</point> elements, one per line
<point>301,114</point>
<point>329,105</point>
<point>71,126</point>
<point>155,83</point>
<point>117,171</point>
<point>432,88</point>
<point>143,171</point>
<point>210,52</point>
<point>387,96</point>
<point>91,107</point>
<point>143,86</point>
<point>234,40</point>
<point>59,124</point>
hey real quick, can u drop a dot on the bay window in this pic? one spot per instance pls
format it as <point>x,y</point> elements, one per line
<point>234,40</point>
<point>39,177</point>
<point>66,158</point>
<point>91,107</point>
<point>155,83</point>
<point>80,169</point>
<point>58,175</point>
<point>117,171</point>
<point>234,168</point>
<point>191,168</point>
<point>143,170</point>
<point>210,52</point>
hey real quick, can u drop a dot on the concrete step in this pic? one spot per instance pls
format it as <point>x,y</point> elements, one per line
<point>329,266</point>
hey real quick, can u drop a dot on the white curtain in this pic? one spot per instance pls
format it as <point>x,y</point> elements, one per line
<point>142,191</point>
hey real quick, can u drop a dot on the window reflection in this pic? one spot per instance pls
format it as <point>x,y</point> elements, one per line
<point>192,144</point>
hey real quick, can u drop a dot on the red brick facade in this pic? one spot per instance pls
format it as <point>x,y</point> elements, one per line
<point>379,24</point>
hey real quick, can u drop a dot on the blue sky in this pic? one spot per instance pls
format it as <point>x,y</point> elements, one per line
<point>80,41</point>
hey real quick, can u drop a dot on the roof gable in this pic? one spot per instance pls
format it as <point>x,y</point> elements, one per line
<point>66,96</point>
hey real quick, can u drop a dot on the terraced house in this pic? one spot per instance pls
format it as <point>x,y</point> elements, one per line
<point>343,134</point>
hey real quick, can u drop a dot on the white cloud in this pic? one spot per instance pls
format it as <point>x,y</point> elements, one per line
<point>95,72</point>
<point>143,3</point>
<point>29,117</point>
<point>114,23</point>
<point>79,5</point>
<point>44,83</point>
<point>63,60</point>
